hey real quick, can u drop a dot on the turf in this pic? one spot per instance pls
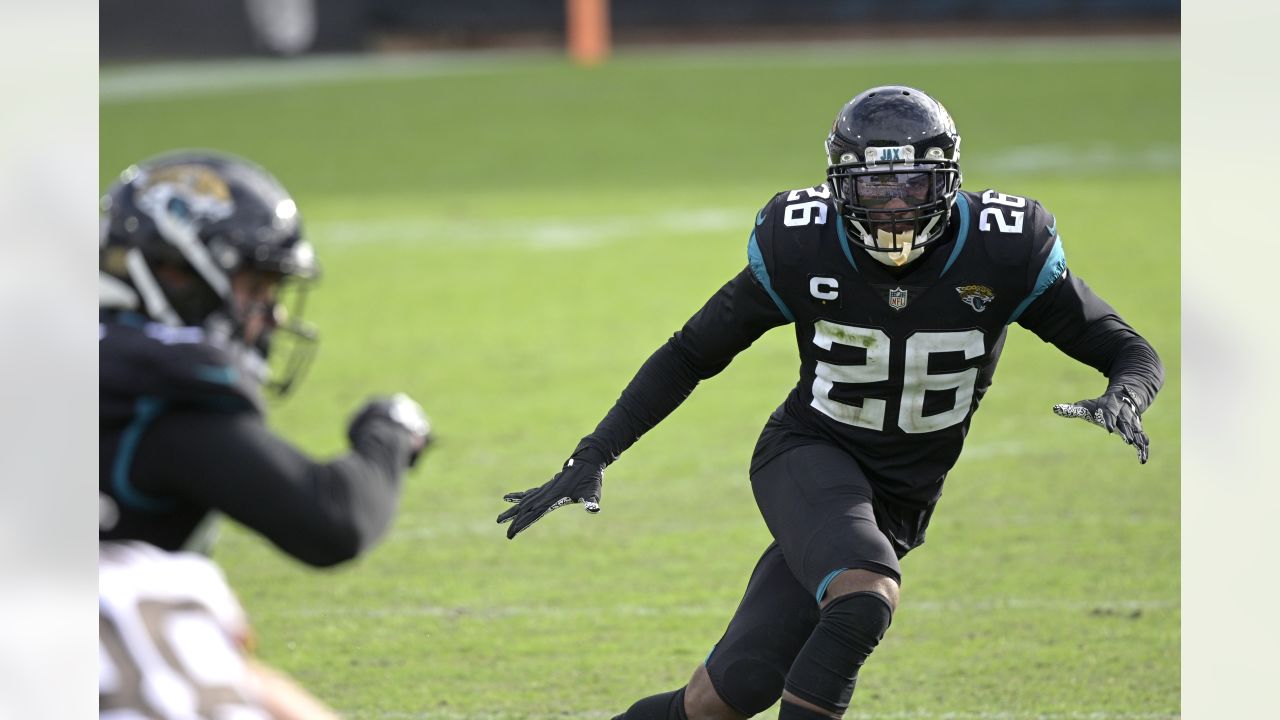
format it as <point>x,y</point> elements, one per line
<point>508,238</point>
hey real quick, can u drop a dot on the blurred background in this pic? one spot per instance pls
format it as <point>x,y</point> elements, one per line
<point>516,202</point>
<point>158,29</point>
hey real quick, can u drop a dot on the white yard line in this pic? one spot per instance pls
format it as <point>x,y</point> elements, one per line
<point>575,233</point>
<point>159,81</point>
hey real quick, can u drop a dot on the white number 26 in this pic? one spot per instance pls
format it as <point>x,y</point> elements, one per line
<point>916,380</point>
<point>991,197</point>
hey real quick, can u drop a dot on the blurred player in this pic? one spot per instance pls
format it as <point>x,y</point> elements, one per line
<point>173,642</point>
<point>900,287</point>
<point>200,256</point>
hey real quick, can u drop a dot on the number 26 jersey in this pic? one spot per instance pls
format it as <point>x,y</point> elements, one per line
<point>894,361</point>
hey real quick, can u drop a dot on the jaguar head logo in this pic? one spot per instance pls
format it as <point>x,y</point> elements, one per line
<point>976,296</point>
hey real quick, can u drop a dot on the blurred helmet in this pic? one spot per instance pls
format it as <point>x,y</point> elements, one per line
<point>179,228</point>
<point>893,168</point>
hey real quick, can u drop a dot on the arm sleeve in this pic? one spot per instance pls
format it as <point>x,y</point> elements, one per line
<point>1082,325</point>
<point>322,513</point>
<point>727,324</point>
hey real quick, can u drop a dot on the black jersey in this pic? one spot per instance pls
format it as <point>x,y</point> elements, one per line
<point>893,362</point>
<point>182,436</point>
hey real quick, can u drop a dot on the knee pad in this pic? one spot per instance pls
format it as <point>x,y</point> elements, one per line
<point>826,669</point>
<point>774,620</point>
<point>748,670</point>
<point>750,686</point>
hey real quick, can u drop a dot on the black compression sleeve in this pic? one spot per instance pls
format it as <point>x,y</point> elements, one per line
<point>727,324</point>
<point>1086,328</point>
<point>320,513</point>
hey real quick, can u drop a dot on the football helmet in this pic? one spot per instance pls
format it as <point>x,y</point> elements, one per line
<point>893,167</point>
<point>178,233</point>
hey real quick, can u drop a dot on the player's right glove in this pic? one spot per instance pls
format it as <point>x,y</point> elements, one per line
<point>580,481</point>
<point>398,411</point>
<point>1116,413</point>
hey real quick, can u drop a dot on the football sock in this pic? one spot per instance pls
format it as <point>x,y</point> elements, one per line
<point>667,706</point>
<point>795,712</point>
<point>826,669</point>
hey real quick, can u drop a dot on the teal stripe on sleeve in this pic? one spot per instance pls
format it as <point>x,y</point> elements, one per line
<point>148,409</point>
<point>758,269</point>
<point>1054,266</point>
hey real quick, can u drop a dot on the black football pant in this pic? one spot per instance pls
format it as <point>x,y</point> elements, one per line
<point>820,507</point>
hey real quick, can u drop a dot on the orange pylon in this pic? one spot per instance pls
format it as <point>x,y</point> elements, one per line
<point>588,30</point>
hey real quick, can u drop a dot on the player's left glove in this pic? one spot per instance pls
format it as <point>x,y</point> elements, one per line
<point>579,481</point>
<point>1116,412</point>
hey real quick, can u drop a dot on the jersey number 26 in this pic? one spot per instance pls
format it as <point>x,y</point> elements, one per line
<point>916,380</point>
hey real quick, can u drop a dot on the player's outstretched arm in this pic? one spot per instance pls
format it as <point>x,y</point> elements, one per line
<point>321,513</point>
<point>1086,328</point>
<point>580,481</point>
<point>728,323</point>
<point>1115,412</point>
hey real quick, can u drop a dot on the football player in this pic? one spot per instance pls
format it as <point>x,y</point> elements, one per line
<point>199,255</point>
<point>174,642</point>
<point>900,287</point>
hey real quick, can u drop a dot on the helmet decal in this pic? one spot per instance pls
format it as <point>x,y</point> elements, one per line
<point>905,154</point>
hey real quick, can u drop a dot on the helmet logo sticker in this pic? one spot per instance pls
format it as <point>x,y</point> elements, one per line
<point>185,192</point>
<point>976,296</point>
<point>902,154</point>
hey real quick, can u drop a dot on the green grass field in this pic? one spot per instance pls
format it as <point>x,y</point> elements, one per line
<point>508,238</point>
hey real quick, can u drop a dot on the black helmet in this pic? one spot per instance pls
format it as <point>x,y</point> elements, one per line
<point>207,216</point>
<point>894,143</point>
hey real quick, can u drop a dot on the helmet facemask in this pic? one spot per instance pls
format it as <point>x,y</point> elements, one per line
<point>263,318</point>
<point>894,209</point>
<point>284,340</point>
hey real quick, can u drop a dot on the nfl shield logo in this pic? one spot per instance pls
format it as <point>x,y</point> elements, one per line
<point>897,298</point>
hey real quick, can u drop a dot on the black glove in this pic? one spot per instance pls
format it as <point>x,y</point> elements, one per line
<point>1116,412</point>
<point>399,411</point>
<point>579,481</point>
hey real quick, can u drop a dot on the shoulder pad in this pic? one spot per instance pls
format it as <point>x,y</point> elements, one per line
<point>792,220</point>
<point>1015,230</point>
<point>175,364</point>
<point>785,227</point>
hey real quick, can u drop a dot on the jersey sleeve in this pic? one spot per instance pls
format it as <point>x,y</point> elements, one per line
<point>738,313</point>
<point>1061,309</point>
<point>322,513</point>
<point>761,255</point>
<point>1046,261</point>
